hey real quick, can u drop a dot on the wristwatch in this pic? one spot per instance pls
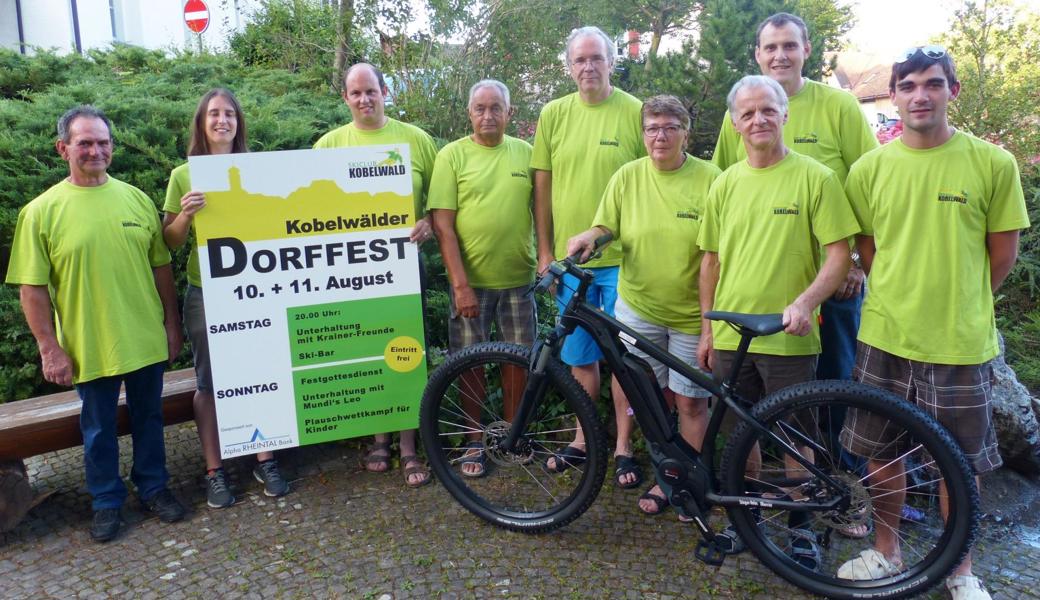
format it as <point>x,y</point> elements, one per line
<point>856,262</point>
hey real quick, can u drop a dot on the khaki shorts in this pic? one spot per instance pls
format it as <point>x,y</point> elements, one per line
<point>958,396</point>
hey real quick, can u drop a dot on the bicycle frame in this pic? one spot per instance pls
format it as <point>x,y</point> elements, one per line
<point>690,474</point>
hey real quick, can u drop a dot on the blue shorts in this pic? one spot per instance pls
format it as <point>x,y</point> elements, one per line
<point>580,349</point>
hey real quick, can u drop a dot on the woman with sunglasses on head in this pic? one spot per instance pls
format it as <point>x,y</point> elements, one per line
<point>218,127</point>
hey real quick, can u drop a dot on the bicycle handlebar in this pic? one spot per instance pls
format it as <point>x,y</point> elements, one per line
<point>569,265</point>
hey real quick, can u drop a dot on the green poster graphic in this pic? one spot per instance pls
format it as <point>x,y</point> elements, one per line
<point>312,295</point>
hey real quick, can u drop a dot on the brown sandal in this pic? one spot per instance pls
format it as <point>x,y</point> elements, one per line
<point>416,468</point>
<point>371,458</point>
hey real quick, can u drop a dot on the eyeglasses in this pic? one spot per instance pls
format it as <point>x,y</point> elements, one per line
<point>668,130</point>
<point>595,61</point>
<point>932,51</point>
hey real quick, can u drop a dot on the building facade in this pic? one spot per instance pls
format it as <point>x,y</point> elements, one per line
<point>80,25</point>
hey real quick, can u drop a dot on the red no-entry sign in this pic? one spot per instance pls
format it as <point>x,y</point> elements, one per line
<point>196,15</point>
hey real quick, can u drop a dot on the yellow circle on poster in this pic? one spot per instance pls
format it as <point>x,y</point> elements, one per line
<point>403,354</point>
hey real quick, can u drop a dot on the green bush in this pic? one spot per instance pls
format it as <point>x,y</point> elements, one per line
<point>150,99</point>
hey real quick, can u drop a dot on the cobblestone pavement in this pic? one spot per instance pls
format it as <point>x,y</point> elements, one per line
<point>345,533</point>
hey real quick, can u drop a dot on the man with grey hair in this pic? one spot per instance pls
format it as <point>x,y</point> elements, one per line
<point>480,198</point>
<point>101,323</point>
<point>826,124</point>
<point>581,140</point>
<point>766,220</point>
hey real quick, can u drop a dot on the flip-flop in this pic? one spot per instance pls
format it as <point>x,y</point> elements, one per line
<point>567,458</point>
<point>659,501</point>
<point>627,465</point>
<point>476,458</point>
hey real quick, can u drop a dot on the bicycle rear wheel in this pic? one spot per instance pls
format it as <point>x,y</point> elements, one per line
<point>471,398</point>
<point>866,461</point>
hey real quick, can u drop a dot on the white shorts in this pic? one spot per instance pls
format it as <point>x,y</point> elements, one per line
<point>682,345</point>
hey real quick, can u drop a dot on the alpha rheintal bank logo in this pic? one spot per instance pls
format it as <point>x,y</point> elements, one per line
<point>393,164</point>
<point>258,443</point>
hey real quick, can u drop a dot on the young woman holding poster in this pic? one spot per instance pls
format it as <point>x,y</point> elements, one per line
<point>218,128</point>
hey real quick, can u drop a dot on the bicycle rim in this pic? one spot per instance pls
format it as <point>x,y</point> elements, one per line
<point>866,462</point>
<point>467,401</point>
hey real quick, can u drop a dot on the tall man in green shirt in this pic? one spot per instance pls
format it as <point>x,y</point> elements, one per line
<point>364,91</point>
<point>766,219</point>
<point>580,141</point>
<point>480,198</point>
<point>940,212</point>
<point>97,291</point>
<point>826,124</point>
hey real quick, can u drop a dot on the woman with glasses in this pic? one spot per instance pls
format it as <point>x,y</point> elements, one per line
<point>652,207</point>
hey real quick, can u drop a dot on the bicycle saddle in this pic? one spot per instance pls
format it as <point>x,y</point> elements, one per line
<point>754,324</point>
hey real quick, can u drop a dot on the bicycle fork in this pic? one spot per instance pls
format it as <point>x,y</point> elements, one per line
<point>537,380</point>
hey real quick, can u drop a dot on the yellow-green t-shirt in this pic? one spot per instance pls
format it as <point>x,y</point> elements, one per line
<point>823,122</point>
<point>929,211</point>
<point>180,184</point>
<point>490,188</point>
<point>583,144</point>
<point>656,216</point>
<point>95,248</point>
<point>767,226</point>
<point>424,151</point>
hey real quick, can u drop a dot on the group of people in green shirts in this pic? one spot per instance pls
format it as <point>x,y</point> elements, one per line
<point>797,206</point>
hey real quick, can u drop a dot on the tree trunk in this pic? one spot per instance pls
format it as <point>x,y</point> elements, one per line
<point>16,495</point>
<point>344,29</point>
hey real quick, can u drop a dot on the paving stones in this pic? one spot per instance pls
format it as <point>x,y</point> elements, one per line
<point>343,533</point>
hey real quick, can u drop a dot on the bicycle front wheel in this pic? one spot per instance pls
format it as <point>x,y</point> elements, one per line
<point>890,461</point>
<point>467,409</point>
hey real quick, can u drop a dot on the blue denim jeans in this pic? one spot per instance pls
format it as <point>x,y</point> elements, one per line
<point>838,330</point>
<point>97,422</point>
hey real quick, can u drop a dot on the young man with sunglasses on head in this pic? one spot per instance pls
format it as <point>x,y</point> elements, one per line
<point>940,212</point>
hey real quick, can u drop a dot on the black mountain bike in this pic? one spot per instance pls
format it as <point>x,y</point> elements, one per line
<point>780,461</point>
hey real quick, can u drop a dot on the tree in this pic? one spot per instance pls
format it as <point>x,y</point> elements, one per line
<point>996,49</point>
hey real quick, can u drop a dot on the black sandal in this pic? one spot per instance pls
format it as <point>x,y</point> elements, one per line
<point>569,457</point>
<point>659,501</point>
<point>627,465</point>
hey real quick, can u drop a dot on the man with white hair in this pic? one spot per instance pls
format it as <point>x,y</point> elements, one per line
<point>766,220</point>
<point>580,141</point>
<point>480,199</point>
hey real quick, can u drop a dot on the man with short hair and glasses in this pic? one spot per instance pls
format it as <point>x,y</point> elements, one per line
<point>940,212</point>
<point>580,141</point>
<point>480,198</point>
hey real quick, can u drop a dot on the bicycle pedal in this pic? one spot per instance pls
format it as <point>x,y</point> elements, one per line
<point>709,554</point>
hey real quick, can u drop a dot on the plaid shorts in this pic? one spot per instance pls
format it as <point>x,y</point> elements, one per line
<point>512,311</point>
<point>958,396</point>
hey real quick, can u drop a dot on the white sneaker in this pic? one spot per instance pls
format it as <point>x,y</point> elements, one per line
<point>870,564</point>
<point>966,587</point>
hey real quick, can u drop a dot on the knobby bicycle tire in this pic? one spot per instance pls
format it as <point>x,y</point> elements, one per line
<point>799,414</point>
<point>464,401</point>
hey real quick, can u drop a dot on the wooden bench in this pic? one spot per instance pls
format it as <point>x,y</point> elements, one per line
<point>48,423</point>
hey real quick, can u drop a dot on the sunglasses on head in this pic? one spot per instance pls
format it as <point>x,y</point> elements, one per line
<point>932,51</point>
